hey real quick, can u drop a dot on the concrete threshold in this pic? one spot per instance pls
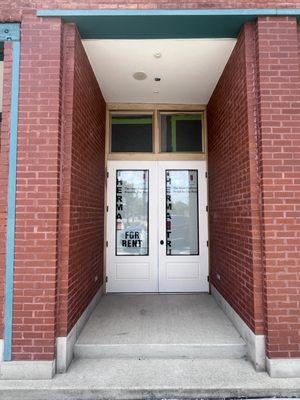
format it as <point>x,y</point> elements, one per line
<point>132,379</point>
<point>165,351</point>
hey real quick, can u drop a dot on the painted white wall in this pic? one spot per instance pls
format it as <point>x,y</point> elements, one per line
<point>1,84</point>
<point>189,68</point>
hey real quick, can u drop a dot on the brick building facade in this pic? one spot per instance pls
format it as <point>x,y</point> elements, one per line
<point>253,126</point>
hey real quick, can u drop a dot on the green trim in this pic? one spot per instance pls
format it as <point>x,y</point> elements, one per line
<point>9,32</point>
<point>128,121</point>
<point>185,117</point>
<point>12,32</point>
<point>174,133</point>
<point>165,12</point>
<point>162,24</point>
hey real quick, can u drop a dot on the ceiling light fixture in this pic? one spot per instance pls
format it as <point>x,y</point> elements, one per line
<point>157,55</point>
<point>140,76</point>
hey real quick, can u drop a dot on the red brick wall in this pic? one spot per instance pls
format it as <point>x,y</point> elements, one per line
<point>60,185</point>
<point>235,251</point>
<point>254,182</point>
<point>81,266</point>
<point>12,9</point>
<point>279,163</point>
<point>4,156</point>
<point>65,180</point>
<point>37,208</point>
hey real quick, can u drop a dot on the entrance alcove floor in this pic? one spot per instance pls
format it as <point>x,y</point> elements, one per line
<point>166,321</point>
<point>159,326</point>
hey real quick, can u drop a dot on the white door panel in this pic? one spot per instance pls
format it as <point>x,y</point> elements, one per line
<point>183,256</point>
<point>131,233</point>
<point>157,226</point>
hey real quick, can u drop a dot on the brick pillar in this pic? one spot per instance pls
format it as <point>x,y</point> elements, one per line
<point>81,230</point>
<point>234,197</point>
<point>38,167</point>
<point>58,269</point>
<point>278,81</point>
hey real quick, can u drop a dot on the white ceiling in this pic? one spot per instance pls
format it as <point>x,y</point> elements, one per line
<point>189,68</point>
<point>1,84</point>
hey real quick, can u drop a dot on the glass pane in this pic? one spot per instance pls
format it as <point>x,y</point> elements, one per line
<point>132,212</point>
<point>131,133</point>
<point>181,133</point>
<point>182,212</point>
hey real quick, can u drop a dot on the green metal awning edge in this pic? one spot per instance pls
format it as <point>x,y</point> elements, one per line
<point>162,24</point>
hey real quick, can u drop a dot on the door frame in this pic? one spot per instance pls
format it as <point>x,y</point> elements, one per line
<point>155,156</point>
<point>156,261</point>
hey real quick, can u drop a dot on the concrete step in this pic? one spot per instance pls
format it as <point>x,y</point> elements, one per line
<point>128,379</point>
<point>162,351</point>
<point>159,326</point>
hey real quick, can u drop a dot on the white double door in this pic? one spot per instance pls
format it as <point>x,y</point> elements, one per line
<point>157,226</point>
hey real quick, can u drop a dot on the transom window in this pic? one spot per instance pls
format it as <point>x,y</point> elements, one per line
<point>131,133</point>
<point>181,133</point>
<point>157,132</point>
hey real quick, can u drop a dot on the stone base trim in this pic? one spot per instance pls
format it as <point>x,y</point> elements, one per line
<point>1,349</point>
<point>283,367</point>
<point>65,344</point>
<point>12,370</point>
<point>255,343</point>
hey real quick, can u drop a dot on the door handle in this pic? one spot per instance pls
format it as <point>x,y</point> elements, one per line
<point>161,242</point>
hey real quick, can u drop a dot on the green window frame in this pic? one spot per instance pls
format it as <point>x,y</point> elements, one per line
<point>175,118</point>
<point>128,121</point>
<point>186,116</point>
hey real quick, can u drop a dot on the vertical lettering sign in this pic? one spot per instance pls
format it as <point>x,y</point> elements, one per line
<point>168,213</point>
<point>132,214</point>
<point>182,212</point>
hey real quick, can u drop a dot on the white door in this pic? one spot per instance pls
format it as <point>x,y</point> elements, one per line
<point>157,226</point>
<point>183,253</point>
<point>131,260</point>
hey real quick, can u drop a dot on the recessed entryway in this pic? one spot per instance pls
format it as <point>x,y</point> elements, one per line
<point>159,326</point>
<point>157,226</point>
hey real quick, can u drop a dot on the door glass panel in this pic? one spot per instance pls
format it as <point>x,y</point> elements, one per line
<point>182,212</point>
<point>132,213</point>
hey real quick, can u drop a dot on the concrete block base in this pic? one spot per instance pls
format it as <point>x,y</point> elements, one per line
<point>283,367</point>
<point>1,349</point>
<point>12,370</point>
<point>65,345</point>
<point>255,343</point>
